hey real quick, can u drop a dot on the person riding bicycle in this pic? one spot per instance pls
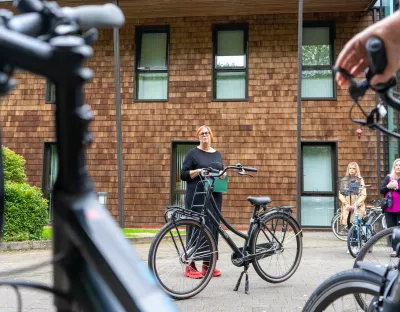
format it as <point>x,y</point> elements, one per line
<point>202,156</point>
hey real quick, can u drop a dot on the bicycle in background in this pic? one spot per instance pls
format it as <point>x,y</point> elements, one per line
<point>272,245</point>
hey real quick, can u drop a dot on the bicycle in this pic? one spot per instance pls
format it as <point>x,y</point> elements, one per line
<point>273,237</point>
<point>95,268</point>
<point>382,283</point>
<point>360,231</point>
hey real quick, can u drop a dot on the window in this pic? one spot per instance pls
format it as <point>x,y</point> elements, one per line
<point>178,187</point>
<point>230,62</point>
<point>50,92</point>
<point>318,189</point>
<point>317,74</point>
<point>50,169</point>
<point>152,63</point>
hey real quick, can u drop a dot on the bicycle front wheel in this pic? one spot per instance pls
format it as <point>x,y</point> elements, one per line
<point>378,249</point>
<point>355,240</point>
<point>338,292</point>
<point>182,257</point>
<point>279,242</point>
<point>338,229</point>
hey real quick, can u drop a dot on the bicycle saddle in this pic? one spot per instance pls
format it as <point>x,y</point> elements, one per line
<point>264,200</point>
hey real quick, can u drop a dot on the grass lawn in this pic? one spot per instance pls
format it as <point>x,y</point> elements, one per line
<point>130,233</point>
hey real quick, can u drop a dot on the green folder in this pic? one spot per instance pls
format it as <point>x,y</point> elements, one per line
<point>220,185</point>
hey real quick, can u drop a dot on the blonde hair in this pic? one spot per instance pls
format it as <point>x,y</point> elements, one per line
<point>208,128</point>
<point>353,163</point>
<point>393,173</point>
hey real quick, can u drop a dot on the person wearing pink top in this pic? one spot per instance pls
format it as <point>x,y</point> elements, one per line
<point>391,184</point>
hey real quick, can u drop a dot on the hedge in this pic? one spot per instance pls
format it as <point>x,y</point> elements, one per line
<point>26,211</point>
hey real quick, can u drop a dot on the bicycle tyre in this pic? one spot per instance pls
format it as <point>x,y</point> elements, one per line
<point>354,245</point>
<point>376,251</point>
<point>371,248</point>
<point>275,224</point>
<point>174,237</point>
<point>335,228</point>
<point>350,282</point>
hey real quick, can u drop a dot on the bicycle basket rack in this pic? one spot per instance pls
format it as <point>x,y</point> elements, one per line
<point>349,185</point>
<point>177,213</point>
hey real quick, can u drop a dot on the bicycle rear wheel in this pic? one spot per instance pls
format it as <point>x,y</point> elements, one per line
<point>174,248</point>
<point>338,229</point>
<point>338,292</point>
<point>279,236</point>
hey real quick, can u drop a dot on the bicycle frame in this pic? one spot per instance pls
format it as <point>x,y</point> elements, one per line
<point>98,267</point>
<point>255,219</point>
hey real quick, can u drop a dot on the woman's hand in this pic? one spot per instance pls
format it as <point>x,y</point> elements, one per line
<point>392,185</point>
<point>353,58</point>
<point>223,176</point>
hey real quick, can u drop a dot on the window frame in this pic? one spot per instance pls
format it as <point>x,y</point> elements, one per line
<point>227,27</point>
<point>139,31</point>
<point>173,169</point>
<point>332,36</point>
<point>334,166</point>
<point>46,164</point>
<point>48,93</point>
<point>334,157</point>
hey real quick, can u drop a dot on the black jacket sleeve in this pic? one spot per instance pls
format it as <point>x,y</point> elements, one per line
<point>384,184</point>
<point>188,164</point>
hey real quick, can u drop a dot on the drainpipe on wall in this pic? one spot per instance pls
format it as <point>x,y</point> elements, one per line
<point>121,216</point>
<point>299,75</point>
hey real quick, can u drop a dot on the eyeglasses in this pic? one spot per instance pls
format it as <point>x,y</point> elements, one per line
<point>204,133</point>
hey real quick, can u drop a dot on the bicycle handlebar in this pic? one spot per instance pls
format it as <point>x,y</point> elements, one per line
<point>377,63</point>
<point>37,21</point>
<point>205,172</point>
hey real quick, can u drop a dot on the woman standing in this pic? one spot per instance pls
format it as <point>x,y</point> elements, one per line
<point>202,156</point>
<point>391,184</point>
<point>353,173</point>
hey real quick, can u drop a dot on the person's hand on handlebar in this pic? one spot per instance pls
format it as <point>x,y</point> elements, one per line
<point>222,176</point>
<point>353,58</point>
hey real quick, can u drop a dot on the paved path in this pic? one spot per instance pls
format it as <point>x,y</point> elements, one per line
<point>323,255</point>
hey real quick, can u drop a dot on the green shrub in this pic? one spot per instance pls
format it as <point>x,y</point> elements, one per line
<point>14,166</point>
<point>26,212</point>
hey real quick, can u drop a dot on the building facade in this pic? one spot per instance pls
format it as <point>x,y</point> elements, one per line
<point>234,67</point>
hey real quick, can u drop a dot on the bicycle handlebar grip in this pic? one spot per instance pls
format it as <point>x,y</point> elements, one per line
<point>28,24</point>
<point>96,16</point>
<point>250,169</point>
<point>376,55</point>
<point>28,6</point>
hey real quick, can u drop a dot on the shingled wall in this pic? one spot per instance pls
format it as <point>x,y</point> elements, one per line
<point>260,132</point>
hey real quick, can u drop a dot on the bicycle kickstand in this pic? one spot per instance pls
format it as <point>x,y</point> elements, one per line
<point>246,285</point>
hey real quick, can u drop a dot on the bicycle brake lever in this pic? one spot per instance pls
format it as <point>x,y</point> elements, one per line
<point>244,174</point>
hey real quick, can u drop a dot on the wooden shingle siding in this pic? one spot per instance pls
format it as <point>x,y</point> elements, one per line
<point>260,132</point>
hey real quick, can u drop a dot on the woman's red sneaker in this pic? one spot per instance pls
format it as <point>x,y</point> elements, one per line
<point>205,268</point>
<point>192,272</point>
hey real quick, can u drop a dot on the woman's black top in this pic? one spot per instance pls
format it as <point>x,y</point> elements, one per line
<point>196,159</point>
